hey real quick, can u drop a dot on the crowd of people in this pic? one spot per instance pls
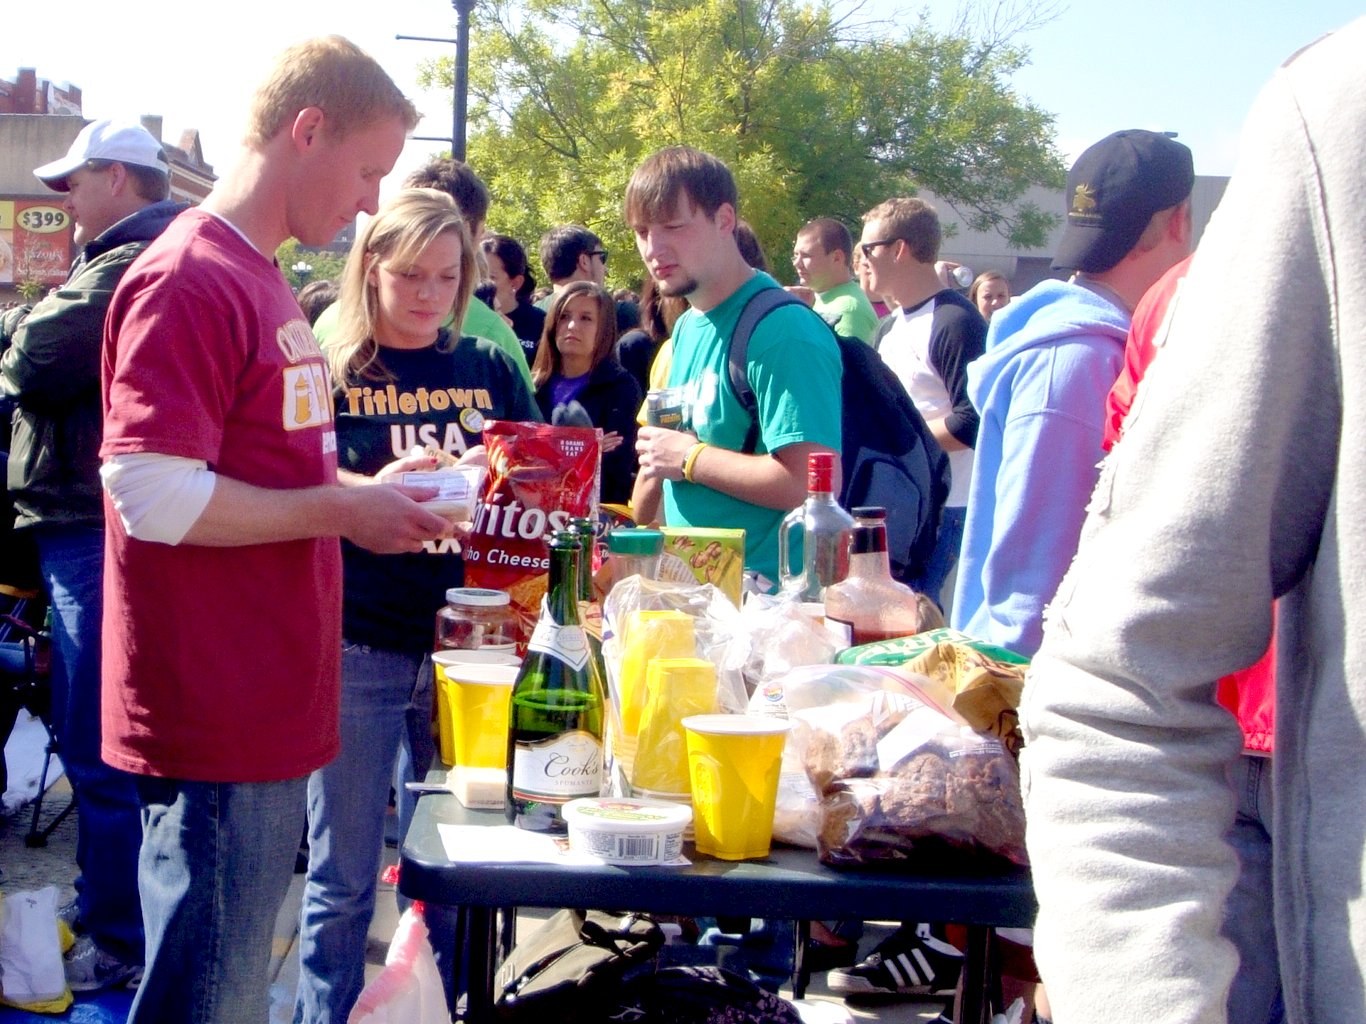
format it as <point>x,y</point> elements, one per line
<point>210,470</point>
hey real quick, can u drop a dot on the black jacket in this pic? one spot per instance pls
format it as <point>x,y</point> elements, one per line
<point>612,399</point>
<point>50,365</point>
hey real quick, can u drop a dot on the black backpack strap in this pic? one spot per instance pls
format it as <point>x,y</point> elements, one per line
<point>760,304</point>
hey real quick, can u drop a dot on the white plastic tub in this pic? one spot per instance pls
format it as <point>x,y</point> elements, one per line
<point>627,830</point>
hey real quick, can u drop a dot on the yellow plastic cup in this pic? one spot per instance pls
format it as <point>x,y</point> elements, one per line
<point>472,699</point>
<point>675,689</point>
<point>649,635</point>
<point>734,762</point>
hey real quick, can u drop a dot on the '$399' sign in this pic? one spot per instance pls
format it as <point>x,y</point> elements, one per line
<point>42,219</point>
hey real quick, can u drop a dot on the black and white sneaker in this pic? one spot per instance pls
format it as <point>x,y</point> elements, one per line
<point>90,969</point>
<point>907,964</point>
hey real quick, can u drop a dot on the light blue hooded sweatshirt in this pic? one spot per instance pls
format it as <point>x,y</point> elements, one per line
<point>1052,356</point>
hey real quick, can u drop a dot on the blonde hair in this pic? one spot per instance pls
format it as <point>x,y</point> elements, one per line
<point>335,75</point>
<point>404,226</point>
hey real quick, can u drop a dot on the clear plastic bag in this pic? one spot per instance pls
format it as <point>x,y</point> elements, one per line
<point>646,620</point>
<point>900,776</point>
<point>408,990</point>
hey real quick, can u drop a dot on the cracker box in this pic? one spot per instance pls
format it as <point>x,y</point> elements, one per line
<point>704,555</point>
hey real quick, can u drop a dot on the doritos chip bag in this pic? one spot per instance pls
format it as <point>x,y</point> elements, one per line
<point>540,477</point>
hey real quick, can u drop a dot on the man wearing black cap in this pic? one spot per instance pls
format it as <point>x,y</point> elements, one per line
<point>115,182</point>
<point>1041,387</point>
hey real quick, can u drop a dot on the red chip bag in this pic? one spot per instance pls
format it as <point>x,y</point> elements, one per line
<point>540,477</point>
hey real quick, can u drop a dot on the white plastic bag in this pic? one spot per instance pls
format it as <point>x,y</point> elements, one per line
<point>408,990</point>
<point>31,973</point>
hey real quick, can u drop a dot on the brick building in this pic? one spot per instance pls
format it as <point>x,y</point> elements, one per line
<point>38,121</point>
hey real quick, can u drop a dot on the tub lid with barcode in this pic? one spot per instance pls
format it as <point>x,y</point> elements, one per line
<point>626,814</point>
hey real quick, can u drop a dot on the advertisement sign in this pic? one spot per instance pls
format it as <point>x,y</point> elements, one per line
<point>35,242</point>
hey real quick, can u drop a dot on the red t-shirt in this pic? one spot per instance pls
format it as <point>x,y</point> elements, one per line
<point>1249,693</point>
<point>220,664</point>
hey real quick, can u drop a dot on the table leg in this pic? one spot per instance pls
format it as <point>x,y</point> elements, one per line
<point>974,1000</point>
<point>481,964</point>
<point>801,976</point>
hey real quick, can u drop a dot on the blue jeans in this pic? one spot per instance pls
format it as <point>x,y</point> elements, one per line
<point>109,824</point>
<point>383,693</point>
<point>217,859</point>
<point>947,545</point>
<point>1255,996</point>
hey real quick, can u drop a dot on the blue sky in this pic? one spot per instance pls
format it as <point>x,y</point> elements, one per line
<point>1192,66</point>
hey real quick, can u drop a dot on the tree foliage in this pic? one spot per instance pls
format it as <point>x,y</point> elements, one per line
<point>815,114</point>
<point>325,264</point>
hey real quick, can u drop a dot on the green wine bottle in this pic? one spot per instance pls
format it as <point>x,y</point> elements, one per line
<point>556,716</point>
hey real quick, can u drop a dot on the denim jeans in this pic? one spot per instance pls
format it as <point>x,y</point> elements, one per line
<point>1255,996</point>
<point>945,555</point>
<point>382,693</point>
<point>108,813</point>
<point>217,859</point>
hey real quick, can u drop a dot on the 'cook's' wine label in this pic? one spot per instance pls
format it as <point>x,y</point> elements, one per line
<point>558,769</point>
<point>568,643</point>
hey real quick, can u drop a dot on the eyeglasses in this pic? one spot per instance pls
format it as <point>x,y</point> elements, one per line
<point>600,254</point>
<point>867,247</point>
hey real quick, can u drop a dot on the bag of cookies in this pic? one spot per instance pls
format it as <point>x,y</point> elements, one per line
<point>902,779</point>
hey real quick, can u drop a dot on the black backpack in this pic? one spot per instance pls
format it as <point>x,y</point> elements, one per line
<point>888,454</point>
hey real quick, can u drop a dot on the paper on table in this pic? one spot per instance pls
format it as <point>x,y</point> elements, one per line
<point>508,844</point>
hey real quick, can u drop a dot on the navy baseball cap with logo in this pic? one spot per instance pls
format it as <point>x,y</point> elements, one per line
<point>1113,190</point>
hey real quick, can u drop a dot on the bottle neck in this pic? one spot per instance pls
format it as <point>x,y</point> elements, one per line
<point>562,595</point>
<point>868,552</point>
<point>820,477</point>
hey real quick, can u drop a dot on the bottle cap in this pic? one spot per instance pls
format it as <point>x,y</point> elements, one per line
<point>477,596</point>
<point>820,471</point>
<point>870,512</point>
<point>635,542</point>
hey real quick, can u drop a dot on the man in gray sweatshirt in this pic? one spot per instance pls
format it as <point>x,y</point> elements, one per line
<point>1238,480</point>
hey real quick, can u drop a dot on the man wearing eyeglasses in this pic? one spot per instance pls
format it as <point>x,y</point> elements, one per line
<point>927,342</point>
<point>571,253</point>
<point>822,258</point>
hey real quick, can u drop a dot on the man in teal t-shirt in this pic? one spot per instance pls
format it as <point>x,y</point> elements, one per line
<point>822,259</point>
<point>681,204</point>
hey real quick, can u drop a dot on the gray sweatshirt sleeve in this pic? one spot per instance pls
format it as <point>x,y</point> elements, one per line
<point>1212,504</point>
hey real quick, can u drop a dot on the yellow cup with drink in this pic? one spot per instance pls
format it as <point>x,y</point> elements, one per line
<point>473,689</point>
<point>734,762</point>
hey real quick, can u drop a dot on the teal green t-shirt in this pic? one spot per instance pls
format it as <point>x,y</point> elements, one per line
<point>480,322</point>
<point>848,310</point>
<point>794,369</point>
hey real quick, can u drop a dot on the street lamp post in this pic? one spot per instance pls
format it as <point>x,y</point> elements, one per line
<point>302,271</point>
<point>461,88</point>
<point>463,8</point>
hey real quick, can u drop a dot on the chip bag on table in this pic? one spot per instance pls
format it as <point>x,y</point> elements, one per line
<point>539,478</point>
<point>986,681</point>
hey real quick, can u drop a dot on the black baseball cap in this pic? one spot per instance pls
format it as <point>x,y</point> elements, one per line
<point>1113,190</point>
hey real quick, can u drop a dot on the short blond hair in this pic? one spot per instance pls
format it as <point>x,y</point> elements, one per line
<point>912,220</point>
<point>335,75</point>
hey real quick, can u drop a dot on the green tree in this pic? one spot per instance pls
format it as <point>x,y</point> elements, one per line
<point>324,264</point>
<point>815,115</point>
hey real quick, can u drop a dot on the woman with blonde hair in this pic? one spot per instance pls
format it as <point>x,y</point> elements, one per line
<point>576,365</point>
<point>401,382</point>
